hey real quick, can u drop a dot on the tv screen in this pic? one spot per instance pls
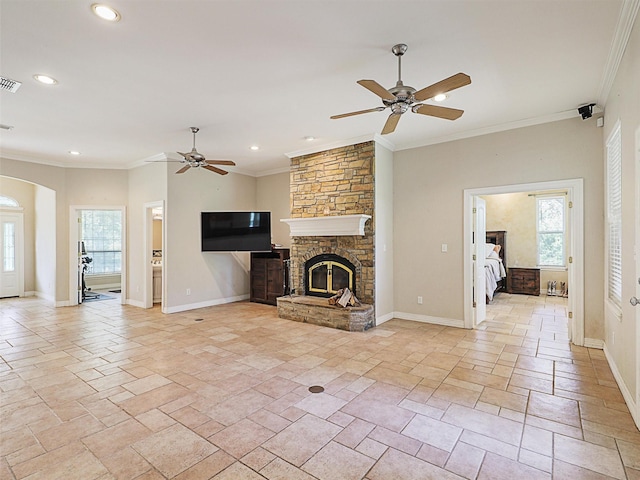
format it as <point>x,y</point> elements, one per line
<point>236,231</point>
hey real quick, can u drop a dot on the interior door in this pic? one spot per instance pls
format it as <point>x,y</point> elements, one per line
<point>479,240</point>
<point>637,277</point>
<point>11,248</point>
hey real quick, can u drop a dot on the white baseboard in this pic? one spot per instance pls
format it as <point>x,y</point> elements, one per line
<point>628,397</point>
<point>384,318</point>
<point>594,343</point>
<point>134,303</point>
<point>207,303</point>
<point>29,294</point>
<point>105,286</point>
<point>448,322</point>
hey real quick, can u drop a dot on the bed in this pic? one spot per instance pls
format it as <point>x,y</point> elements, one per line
<point>495,261</point>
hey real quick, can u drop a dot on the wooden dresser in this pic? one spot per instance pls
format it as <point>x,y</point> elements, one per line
<point>524,280</point>
<point>268,277</point>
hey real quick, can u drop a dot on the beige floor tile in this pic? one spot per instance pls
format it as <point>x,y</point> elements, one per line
<point>433,432</point>
<point>337,462</point>
<point>484,423</point>
<point>237,471</point>
<point>207,468</point>
<point>321,405</point>
<point>465,460</point>
<point>563,470</point>
<point>496,467</point>
<point>241,438</point>
<point>389,416</point>
<point>400,466</point>
<point>558,409</point>
<point>278,469</point>
<point>302,439</point>
<point>587,455</point>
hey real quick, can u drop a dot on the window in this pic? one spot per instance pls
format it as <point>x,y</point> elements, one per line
<point>102,237</point>
<point>9,247</point>
<point>550,226</point>
<point>8,201</point>
<point>614,218</point>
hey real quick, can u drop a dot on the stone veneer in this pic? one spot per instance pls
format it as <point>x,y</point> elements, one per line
<point>335,182</point>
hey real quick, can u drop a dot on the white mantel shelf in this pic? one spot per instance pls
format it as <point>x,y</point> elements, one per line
<point>327,226</point>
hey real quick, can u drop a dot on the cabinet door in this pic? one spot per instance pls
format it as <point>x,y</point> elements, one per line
<point>275,279</point>
<point>259,280</point>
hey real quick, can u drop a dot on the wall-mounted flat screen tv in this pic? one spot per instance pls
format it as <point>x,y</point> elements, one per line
<point>235,231</point>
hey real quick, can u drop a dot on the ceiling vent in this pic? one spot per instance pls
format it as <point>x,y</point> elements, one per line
<point>8,84</point>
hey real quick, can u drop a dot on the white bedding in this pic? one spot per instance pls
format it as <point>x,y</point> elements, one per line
<point>494,272</point>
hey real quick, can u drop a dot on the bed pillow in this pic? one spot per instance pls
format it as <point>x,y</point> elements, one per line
<point>488,248</point>
<point>494,254</point>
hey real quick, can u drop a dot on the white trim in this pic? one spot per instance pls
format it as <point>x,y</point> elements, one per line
<point>48,298</point>
<point>19,246</point>
<point>624,27</point>
<point>147,257</point>
<point>575,246</point>
<point>74,215</point>
<point>384,318</point>
<point>134,303</point>
<point>207,303</point>
<point>594,343</point>
<point>414,317</point>
<point>336,225</point>
<point>626,393</point>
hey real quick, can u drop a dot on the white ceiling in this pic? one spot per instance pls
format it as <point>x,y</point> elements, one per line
<point>270,72</point>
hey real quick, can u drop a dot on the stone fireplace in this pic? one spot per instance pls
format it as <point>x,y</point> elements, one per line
<point>332,220</point>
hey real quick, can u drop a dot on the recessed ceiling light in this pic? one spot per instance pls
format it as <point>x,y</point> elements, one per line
<point>255,147</point>
<point>441,97</point>
<point>105,12</point>
<point>74,152</point>
<point>46,79</point>
<point>309,138</point>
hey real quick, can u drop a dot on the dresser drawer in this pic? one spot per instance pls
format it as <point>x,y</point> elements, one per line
<point>524,281</point>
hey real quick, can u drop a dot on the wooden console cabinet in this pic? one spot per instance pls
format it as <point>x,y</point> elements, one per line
<point>524,280</point>
<point>268,277</point>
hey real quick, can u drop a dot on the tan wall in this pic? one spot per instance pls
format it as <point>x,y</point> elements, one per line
<point>428,191</point>
<point>157,235</point>
<point>272,195</point>
<point>515,213</point>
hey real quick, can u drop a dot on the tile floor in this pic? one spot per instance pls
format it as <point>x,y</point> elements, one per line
<point>104,391</point>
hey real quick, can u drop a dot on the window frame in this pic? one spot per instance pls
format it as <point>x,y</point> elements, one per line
<point>563,232</point>
<point>91,252</point>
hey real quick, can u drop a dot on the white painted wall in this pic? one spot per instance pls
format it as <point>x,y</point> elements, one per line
<point>46,260</point>
<point>623,104</point>
<point>428,209</point>
<point>384,251</point>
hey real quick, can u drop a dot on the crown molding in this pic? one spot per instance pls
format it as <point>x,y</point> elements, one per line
<point>627,18</point>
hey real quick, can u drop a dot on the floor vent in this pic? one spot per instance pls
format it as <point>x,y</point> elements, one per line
<point>8,84</point>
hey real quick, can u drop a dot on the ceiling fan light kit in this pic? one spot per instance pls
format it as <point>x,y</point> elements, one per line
<point>402,97</point>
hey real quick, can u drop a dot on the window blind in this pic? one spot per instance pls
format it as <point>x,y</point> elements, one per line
<point>614,217</point>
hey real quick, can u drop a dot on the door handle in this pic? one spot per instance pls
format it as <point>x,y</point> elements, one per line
<point>634,301</point>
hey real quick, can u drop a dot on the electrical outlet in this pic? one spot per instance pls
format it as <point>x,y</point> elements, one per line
<point>188,291</point>
<point>419,300</point>
<point>445,247</point>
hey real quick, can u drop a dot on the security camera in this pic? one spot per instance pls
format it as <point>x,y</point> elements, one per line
<point>586,110</point>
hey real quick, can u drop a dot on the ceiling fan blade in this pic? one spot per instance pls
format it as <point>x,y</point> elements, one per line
<point>220,162</point>
<point>391,123</point>
<point>359,112</point>
<point>214,169</point>
<point>184,169</point>
<point>436,111</point>
<point>443,86</point>
<point>378,89</point>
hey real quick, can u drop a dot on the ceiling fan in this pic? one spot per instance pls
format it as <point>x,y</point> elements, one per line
<point>402,97</point>
<point>195,159</point>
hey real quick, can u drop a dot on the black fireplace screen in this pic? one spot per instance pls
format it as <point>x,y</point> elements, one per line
<point>328,273</point>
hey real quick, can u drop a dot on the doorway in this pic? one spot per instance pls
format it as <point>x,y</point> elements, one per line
<point>97,247</point>
<point>575,247</point>
<point>154,257</point>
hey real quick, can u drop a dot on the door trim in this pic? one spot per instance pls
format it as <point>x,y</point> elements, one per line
<point>147,257</point>
<point>19,252</point>
<point>74,215</point>
<point>575,247</point>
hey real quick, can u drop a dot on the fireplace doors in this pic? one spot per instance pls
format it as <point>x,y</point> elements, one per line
<point>328,273</point>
